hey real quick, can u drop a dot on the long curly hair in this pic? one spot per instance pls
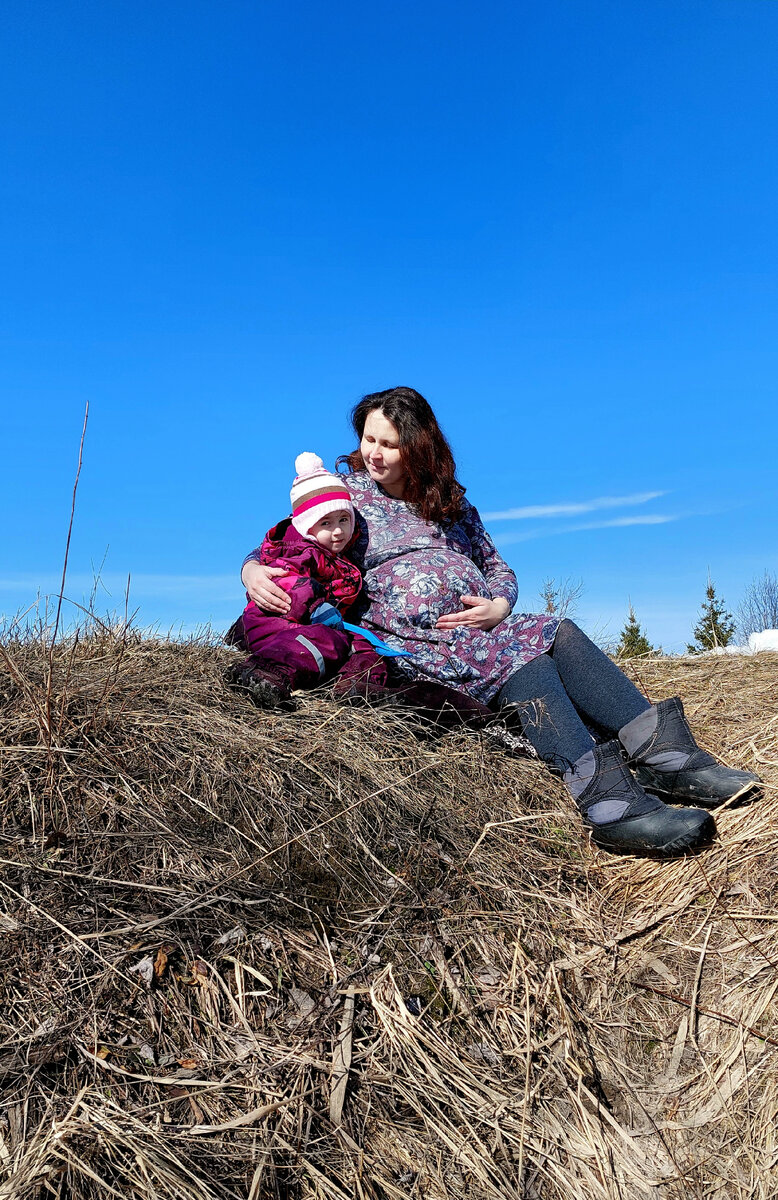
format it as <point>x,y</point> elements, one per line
<point>431,488</point>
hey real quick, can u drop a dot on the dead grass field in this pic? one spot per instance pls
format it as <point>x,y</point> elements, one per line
<point>314,955</point>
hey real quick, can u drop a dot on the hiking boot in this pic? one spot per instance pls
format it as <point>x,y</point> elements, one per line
<point>667,760</point>
<point>623,817</point>
<point>268,684</point>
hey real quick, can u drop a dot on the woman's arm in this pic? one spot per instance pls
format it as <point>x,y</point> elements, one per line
<point>258,582</point>
<point>501,579</point>
<point>479,612</point>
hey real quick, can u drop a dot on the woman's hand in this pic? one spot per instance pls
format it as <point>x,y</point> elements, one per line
<point>258,582</point>
<point>480,613</point>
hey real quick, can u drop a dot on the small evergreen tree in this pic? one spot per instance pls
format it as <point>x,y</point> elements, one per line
<point>715,626</point>
<point>633,641</point>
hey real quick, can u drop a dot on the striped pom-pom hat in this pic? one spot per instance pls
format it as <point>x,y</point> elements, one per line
<point>315,492</point>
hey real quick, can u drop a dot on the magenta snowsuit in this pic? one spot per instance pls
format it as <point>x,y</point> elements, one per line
<point>311,652</point>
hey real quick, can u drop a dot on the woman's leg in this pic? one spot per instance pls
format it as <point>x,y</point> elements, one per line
<point>621,815</point>
<point>549,719</point>
<point>656,737</point>
<point>595,685</point>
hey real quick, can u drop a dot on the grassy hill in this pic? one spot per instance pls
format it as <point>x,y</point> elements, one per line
<point>319,955</point>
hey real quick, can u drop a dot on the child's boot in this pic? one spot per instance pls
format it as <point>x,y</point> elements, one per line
<point>363,676</point>
<point>268,684</point>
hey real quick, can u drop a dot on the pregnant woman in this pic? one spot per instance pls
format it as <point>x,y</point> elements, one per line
<point>437,587</point>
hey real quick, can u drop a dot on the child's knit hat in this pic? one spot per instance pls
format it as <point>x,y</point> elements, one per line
<point>315,492</point>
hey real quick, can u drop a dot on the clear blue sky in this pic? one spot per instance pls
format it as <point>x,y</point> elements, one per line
<point>223,223</point>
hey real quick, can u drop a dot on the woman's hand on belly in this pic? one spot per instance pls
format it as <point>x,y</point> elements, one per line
<point>479,613</point>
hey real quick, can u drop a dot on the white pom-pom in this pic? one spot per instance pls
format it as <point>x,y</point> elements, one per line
<point>308,462</point>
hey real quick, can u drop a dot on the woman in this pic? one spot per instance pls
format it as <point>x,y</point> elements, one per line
<point>437,587</point>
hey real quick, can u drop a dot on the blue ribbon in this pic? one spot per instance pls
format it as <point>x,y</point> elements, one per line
<point>327,614</point>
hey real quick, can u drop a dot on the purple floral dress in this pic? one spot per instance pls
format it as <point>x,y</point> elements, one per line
<point>414,572</point>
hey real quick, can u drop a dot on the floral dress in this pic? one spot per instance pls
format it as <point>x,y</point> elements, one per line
<point>414,572</point>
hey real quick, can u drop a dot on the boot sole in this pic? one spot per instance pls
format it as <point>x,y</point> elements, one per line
<point>263,694</point>
<point>709,801</point>
<point>267,695</point>
<point>631,841</point>
<point>652,784</point>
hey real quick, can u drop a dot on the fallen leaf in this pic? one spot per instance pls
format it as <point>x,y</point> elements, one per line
<point>481,1053</point>
<point>200,972</point>
<point>304,1004</point>
<point>144,968</point>
<point>160,962</point>
<point>232,937</point>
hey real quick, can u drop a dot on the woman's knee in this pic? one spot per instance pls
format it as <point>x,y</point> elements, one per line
<point>567,631</point>
<point>531,682</point>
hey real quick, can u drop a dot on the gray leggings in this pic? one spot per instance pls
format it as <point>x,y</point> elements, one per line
<point>574,680</point>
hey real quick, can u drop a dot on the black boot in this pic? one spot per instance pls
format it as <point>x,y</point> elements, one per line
<point>667,760</point>
<point>268,684</point>
<point>624,818</point>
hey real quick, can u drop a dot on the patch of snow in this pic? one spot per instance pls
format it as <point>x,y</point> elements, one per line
<point>766,640</point>
<point>757,642</point>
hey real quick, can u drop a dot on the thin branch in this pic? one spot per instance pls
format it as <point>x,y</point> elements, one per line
<point>64,574</point>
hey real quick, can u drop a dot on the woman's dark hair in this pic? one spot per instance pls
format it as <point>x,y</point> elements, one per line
<point>431,488</point>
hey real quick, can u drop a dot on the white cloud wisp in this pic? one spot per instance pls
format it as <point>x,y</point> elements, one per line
<point>508,539</point>
<point>534,511</point>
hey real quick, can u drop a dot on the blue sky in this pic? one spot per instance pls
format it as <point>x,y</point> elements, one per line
<point>221,224</point>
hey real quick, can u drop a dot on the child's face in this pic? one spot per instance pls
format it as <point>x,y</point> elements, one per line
<point>334,531</point>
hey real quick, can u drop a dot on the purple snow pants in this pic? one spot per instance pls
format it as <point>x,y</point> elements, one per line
<point>313,652</point>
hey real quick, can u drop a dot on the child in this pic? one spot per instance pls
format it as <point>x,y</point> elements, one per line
<point>290,652</point>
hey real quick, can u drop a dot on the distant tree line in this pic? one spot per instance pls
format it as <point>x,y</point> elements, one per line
<point>716,626</point>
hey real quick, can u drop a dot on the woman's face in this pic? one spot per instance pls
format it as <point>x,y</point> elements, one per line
<point>380,448</point>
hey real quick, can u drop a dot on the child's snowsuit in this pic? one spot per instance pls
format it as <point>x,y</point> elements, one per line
<point>311,652</point>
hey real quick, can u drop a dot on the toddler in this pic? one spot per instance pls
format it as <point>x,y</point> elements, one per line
<point>308,644</point>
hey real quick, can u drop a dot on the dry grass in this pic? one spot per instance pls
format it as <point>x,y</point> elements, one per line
<point>246,955</point>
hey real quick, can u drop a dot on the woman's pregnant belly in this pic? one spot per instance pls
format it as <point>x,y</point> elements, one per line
<point>411,591</point>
